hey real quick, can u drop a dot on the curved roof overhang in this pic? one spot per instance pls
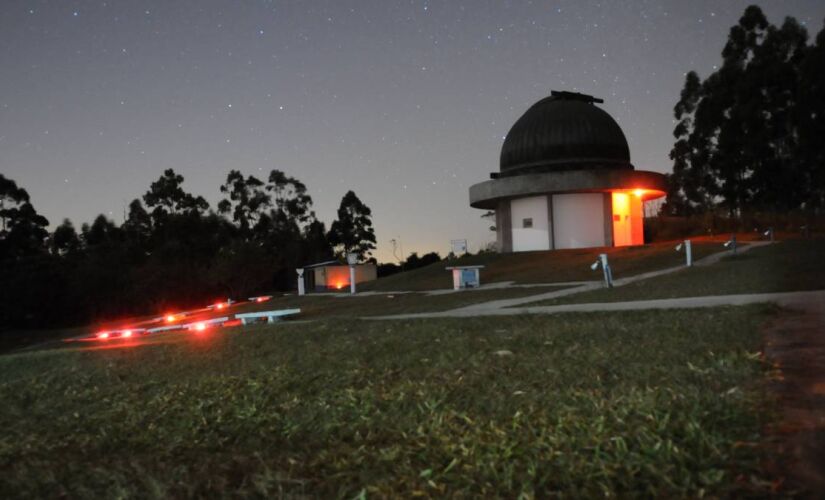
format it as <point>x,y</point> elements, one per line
<point>487,194</point>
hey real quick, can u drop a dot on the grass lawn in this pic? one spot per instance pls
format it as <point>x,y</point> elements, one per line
<point>328,306</point>
<point>548,266</point>
<point>787,266</point>
<point>658,403</point>
<point>312,307</point>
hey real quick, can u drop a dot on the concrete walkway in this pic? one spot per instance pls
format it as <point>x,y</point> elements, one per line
<point>505,307</point>
<point>789,299</point>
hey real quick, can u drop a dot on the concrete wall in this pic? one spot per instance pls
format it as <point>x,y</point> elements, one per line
<point>579,220</point>
<point>530,212</point>
<point>504,231</point>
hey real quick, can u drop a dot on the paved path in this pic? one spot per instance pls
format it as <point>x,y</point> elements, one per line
<point>789,299</point>
<point>505,307</point>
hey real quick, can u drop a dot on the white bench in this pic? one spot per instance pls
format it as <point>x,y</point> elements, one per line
<point>194,325</point>
<point>271,316</point>
<point>168,328</point>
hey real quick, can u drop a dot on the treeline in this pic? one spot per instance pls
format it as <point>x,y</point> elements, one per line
<point>172,250</point>
<point>751,136</point>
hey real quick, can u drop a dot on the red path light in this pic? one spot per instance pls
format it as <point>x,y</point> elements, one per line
<point>199,327</point>
<point>170,318</point>
<point>126,333</point>
<point>103,335</point>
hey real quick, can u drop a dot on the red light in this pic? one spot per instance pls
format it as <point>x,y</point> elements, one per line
<point>126,333</point>
<point>170,318</point>
<point>103,336</point>
<point>199,327</point>
<point>219,305</point>
<point>259,299</point>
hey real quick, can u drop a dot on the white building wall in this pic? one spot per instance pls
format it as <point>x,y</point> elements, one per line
<point>578,220</point>
<point>536,237</point>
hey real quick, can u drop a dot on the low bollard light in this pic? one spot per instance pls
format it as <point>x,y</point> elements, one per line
<point>605,265</point>
<point>731,243</point>
<point>688,252</point>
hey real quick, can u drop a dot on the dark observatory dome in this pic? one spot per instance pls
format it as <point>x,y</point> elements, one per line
<point>565,131</point>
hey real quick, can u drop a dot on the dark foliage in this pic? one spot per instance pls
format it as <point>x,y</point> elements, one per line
<point>353,232</point>
<point>175,254</point>
<point>414,261</point>
<point>749,137</point>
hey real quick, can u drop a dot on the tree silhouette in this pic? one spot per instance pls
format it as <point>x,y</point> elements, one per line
<point>749,136</point>
<point>811,117</point>
<point>352,232</point>
<point>247,200</point>
<point>65,239</point>
<point>166,196</point>
<point>22,230</point>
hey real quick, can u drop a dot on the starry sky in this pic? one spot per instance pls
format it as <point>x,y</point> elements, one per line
<point>405,102</point>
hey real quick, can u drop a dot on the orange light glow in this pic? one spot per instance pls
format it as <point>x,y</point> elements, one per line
<point>639,192</point>
<point>126,333</point>
<point>103,336</point>
<point>219,305</point>
<point>170,318</point>
<point>339,286</point>
<point>627,219</point>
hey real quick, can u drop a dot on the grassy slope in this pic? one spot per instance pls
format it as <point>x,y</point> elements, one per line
<point>791,265</point>
<point>548,266</point>
<point>312,307</point>
<point>327,306</point>
<point>660,403</point>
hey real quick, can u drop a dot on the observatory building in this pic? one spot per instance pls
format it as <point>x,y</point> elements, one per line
<point>566,180</point>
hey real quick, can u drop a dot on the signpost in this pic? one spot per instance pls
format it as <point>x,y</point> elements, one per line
<point>352,259</point>
<point>301,289</point>
<point>459,247</point>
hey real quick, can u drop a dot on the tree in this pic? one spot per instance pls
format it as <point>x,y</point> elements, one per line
<point>747,137</point>
<point>22,230</point>
<point>138,226</point>
<point>11,196</point>
<point>316,244</point>
<point>65,239</point>
<point>290,197</point>
<point>101,231</point>
<point>414,261</point>
<point>352,232</point>
<point>811,118</point>
<point>247,200</point>
<point>690,187</point>
<point>166,196</point>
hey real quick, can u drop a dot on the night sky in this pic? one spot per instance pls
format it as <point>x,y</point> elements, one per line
<point>407,103</point>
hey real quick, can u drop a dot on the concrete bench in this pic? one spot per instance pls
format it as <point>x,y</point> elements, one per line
<point>168,328</point>
<point>206,322</point>
<point>271,316</point>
